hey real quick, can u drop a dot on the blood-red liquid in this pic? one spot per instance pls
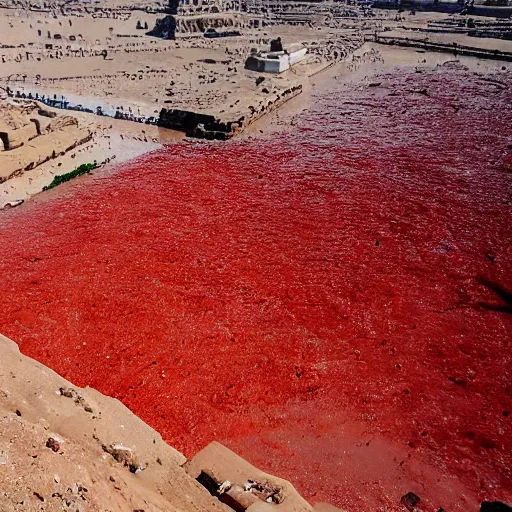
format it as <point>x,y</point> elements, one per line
<point>313,300</point>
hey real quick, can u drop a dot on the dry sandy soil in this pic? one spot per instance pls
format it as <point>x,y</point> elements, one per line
<point>140,72</point>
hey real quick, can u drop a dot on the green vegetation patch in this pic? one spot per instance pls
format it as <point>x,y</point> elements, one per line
<point>81,169</point>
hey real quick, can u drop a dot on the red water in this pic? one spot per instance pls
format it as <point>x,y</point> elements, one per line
<point>313,300</point>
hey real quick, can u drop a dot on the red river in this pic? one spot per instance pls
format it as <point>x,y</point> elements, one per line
<point>330,302</point>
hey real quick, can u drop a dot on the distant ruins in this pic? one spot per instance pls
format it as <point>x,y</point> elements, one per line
<point>193,16</point>
<point>197,15</point>
<point>30,136</point>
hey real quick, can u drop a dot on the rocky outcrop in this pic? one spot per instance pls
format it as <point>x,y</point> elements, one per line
<point>164,28</point>
<point>237,482</point>
<point>207,126</point>
<point>31,136</point>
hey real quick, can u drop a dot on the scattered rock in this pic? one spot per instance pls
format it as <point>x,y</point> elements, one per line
<point>77,398</point>
<point>494,506</point>
<point>120,453</point>
<point>38,496</point>
<point>225,486</point>
<point>410,500</point>
<point>53,444</point>
<point>265,491</point>
<point>125,456</point>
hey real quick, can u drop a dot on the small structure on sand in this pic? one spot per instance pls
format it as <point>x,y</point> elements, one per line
<point>275,61</point>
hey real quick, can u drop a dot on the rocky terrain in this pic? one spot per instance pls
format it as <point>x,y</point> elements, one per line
<point>32,135</point>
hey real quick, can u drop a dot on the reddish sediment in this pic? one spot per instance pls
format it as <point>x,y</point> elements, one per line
<point>320,302</point>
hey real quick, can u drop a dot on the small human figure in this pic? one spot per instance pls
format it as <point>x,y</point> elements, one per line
<point>276,45</point>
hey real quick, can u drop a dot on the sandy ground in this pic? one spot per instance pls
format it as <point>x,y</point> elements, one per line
<point>142,73</point>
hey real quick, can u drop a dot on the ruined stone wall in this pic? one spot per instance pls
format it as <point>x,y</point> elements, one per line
<point>204,126</point>
<point>195,24</point>
<point>195,7</point>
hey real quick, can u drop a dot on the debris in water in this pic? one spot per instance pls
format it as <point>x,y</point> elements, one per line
<point>410,500</point>
<point>494,506</point>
